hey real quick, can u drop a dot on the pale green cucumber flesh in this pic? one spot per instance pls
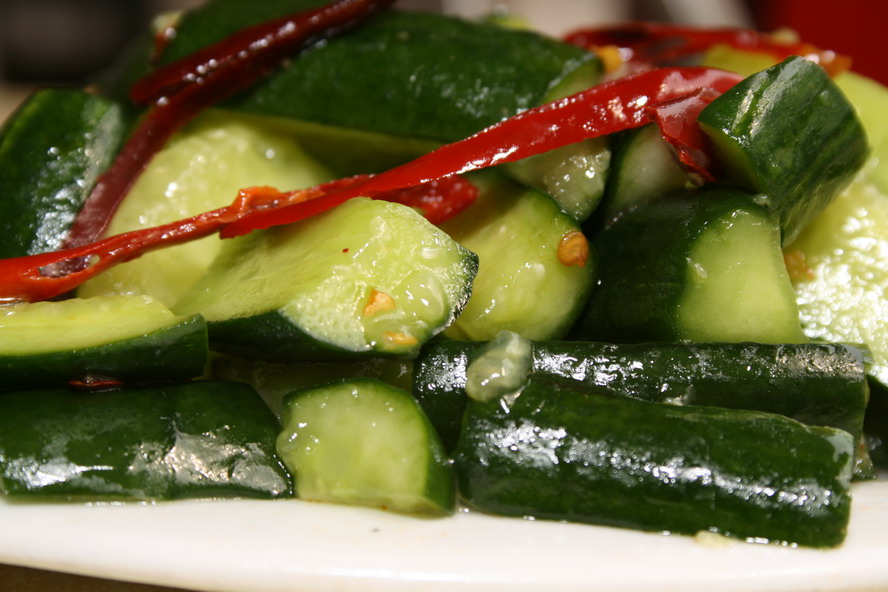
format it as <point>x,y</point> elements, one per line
<point>365,276</point>
<point>201,169</point>
<point>362,442</point>
<point>737,286</point>
<point>521,286</point>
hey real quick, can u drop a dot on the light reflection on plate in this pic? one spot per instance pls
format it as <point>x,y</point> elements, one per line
<point>261,546</point>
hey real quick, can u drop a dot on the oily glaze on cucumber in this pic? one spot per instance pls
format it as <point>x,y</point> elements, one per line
<point>411,74</point>
<point>366,278</point>
<point>815,383</point>
<point>202,439</point>
<point>591,457</point>
<point>700,266</point>
<point>52,150</point>
<point>364,442</point>
<point>119,339</point>
<point>789,134</point>
<point>535,269</point>
<point>202,168</point>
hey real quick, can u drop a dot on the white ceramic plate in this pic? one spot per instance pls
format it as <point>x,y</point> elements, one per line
<point>259,546</point>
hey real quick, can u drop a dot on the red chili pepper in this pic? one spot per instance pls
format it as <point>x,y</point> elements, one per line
<point>185,87</point>
<point>608,108</point>
<point>654,44</point>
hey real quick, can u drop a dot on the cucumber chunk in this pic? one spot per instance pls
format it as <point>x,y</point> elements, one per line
<point>127,339</point>
<point>703,266</point>
<point>52,150</point>
<point>531,254</point>
<point>368,277</point>
<point>789,134</point>
<point>841,276</point>
<point>589,457</point>
<point>201,169</point>
<point>815,383</point>
<point>201,439</point>
<point>363,442</point>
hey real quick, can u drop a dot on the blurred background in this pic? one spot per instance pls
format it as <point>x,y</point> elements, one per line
<point>64,41</point>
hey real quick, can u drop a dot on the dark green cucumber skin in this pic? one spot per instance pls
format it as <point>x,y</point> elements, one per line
<point>799,135</point>
<point>588,457</point>
<point>170,354</point>
<point>52,150</point>
<point>418,75</point>
<point>200,439</point>
<point>643,259</point>
<point>816,384</point>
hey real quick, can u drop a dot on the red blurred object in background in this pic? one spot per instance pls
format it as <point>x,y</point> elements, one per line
<point>852,27</point>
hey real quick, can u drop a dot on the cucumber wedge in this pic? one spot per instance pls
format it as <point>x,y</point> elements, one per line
<point>789,134</point>
<point>201,439</point>
<point>589,457</point>
<point>117,339</point>
<point>368,277</point>
<point>201,169</point>
<point>363,442</point>
<point>700,266</point>
<point>52,150</point>
<point>535,270</point>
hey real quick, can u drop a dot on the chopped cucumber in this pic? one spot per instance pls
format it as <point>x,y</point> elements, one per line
<point>129,339</point>
<point>201,169</point>
<point>535,269</point>
<point>201,439</point>
<point>364,442</point>
<point>789,134</point>
<point>563,451</point>
<point>573,175</point>
<point>841,273</point>
<point>368,277</point>
<point>702,266</point>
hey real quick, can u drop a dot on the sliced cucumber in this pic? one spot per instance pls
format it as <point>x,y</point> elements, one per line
<point>127,339</point>
<point>52,150</point>
<point>572,175</point>
<point>201,169</point>
<point>367,277</point>
<point>535,269</point>
<point>702,266</point>
<point>644,167</point>
<point>789,134</point>
<point>588,457</point>
<point>842,278</point>
<point>201,439</point>
<point>363,442</point>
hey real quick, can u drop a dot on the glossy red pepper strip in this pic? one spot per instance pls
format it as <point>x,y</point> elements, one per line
<point>198,81</point>
<point>611,107</point>
<point>656,44</point>
<point>608,108</point>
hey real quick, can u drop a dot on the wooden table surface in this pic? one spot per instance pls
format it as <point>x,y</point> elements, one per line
<point>23,579</point>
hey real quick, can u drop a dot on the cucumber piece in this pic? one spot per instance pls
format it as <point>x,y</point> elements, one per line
<point>645,167</point>
<point>202,168</point>
<point>127,339</point>
<point>815,383</point>
<point>702,266</point>
<point>587,457</point>
<point>368,277</point>
<point>841,275</point>
<point>572,175</point>
<point>52,150</point>
<point>202,439</point>
<point>531,255</point>
<point>411,74</point>
<point>363,442</point>
<point>789,134</point>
